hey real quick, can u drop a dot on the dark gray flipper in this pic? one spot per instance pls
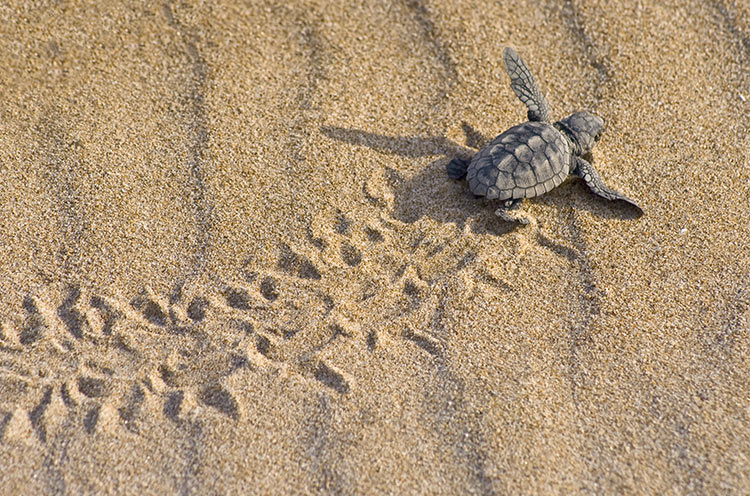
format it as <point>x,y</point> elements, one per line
<point>457,167</point>
<point>586,171</point>
<point>525,87</point>
<point>506,212</point>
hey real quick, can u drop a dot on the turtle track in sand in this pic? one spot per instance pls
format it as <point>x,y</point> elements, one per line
<point>74,358</point>
<point>97,357</point>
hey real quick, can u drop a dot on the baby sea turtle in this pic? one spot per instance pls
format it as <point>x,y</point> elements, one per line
<point>530,159</point>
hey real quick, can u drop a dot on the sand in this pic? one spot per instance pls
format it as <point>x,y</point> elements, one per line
<point>231,260</point>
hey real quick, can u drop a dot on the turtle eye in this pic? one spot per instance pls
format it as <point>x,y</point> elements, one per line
<point>597,136</point>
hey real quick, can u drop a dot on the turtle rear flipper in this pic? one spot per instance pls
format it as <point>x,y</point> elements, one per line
<point>594,181</point>
<point>509,212</point>
<point>525,87</point>
<point>457,167</point>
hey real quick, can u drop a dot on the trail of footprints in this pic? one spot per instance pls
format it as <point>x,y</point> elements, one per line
<point>116,391</point>
<point>103,362</point>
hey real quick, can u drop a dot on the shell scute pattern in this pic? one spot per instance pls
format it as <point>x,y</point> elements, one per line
<point>536,143</point>
<point>541,165</point>
<point>525,161</point>
<point>507,138</point>
<point>524,175</point>
<point>523,153</point>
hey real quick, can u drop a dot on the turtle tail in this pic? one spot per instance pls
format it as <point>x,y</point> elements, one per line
<point>457,167</point>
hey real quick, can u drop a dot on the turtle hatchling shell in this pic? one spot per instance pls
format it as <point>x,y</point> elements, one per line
<point>525,161</point>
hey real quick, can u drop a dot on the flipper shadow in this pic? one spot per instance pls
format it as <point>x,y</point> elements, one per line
<point>574,190</point>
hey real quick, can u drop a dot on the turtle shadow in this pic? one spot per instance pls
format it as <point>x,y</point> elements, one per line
<point>433,194</point>
<point>430,192</point>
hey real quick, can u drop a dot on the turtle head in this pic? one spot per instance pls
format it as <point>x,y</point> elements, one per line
<point>583,128</point>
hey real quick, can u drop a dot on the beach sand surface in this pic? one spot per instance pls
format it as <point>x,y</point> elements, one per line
<point>230,258</point>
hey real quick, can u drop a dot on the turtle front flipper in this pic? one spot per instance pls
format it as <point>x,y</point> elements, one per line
<point>594,181</point>
<point>525,87</point>
<point>457,167</point>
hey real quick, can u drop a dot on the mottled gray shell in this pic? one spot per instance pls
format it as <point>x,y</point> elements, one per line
<point>525,161</point>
